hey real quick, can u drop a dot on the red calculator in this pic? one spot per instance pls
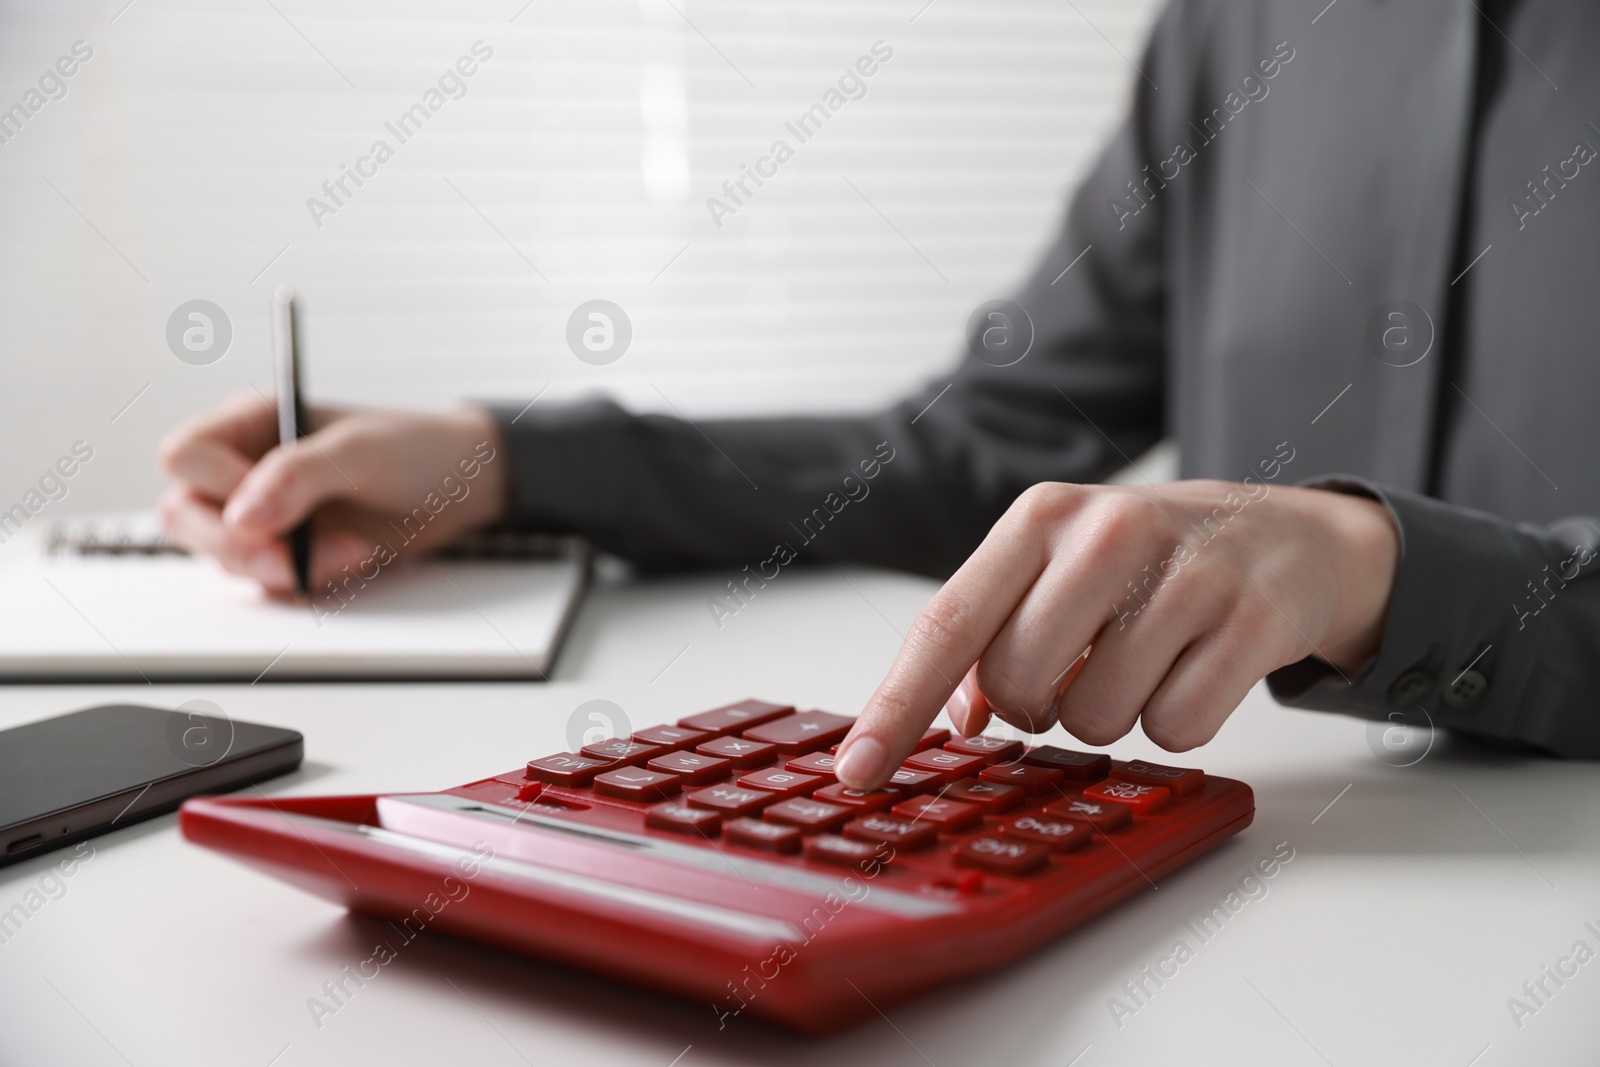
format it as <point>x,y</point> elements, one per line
<point>717,859</point>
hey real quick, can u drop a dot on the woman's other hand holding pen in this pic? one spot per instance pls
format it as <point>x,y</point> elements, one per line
<point>237,492</point>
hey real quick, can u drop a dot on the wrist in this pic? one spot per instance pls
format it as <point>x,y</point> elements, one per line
<point>1368,555</point>
<point>482,439</point>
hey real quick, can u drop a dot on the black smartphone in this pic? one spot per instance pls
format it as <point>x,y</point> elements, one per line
<point>99,769</point>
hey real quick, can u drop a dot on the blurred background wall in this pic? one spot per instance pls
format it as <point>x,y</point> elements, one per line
<point>175,163</point>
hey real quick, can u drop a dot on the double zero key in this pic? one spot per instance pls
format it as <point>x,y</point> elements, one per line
<point>1056,834</point>
<point>1002,856</point>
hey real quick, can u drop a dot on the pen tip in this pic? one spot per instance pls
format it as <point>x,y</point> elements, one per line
<point>283,294</point>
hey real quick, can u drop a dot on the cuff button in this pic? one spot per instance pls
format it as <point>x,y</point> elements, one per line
<point>1466,692</point>
<point>1412,687</point>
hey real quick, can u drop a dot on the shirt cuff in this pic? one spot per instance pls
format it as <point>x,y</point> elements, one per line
<point>1457,650</point>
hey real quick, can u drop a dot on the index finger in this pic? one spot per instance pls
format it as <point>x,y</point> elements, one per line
<point>946,639</point>
<point>214,450</point>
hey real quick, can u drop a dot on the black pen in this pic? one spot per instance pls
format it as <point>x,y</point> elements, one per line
<point>291,418</point>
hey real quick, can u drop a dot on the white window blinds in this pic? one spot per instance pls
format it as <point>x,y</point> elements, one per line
<point>536,159</point>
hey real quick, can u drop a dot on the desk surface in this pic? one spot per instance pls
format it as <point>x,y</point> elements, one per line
<point>1418,901</point>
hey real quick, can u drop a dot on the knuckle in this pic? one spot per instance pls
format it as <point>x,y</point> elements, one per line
<point>171,451</point>
<point>890,705</point>
<point>1043,505</point>
<point>1122,515</point>
<point>1253,623</point>
<point>941,625</point>
<point>284,474</point>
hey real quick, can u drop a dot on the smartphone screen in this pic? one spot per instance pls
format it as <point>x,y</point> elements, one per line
<point>81,774</point>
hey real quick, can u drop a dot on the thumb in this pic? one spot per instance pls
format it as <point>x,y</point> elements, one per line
<point>288,484</point>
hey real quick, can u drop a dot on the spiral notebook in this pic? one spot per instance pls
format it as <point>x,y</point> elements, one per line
<point>111,599</point>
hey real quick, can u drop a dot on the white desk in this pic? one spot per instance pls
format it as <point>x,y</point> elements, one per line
<point>1414,906</point>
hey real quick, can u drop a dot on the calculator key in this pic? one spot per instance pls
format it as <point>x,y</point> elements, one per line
<point>1035,781</point>
<point>695,822</point>
<point>831,848</point>
<point>805,732</point>
<point>636,783</point>
<point>744,754</point>
<point>1001,856</point>
<point>992,797</point>
<point>568,769</point>
<point>768,836</point>
<point>784,783</point>
<point>671,736</point>
<point>901,833</point>
<point>1143,799</point>
<point>735,717</point>
<point>1096,813</point>
<point>622,750</point>
<point>872,800</point>
<point>1058,835</point>
<point>987,748</point>
<point>914,780</point>
<point>818,763</point>
<point>693,768</point>
<point>530,791</point>
<point>1181,780</point>
<point>809,815</point>
<point>1076,766</point>
<point>730,799</point>
<point>932,737</point>
<point>948,765</point>
<point>949,816</point>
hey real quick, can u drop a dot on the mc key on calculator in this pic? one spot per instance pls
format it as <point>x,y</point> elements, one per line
<point>718,859</point>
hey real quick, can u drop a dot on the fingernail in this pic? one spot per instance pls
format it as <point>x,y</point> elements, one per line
<point>249,509</point>
<point>957,707</point>
<point>266,567</point>
<point>862,763</point>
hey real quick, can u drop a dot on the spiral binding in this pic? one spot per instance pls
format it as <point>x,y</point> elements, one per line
<point>142,535</point>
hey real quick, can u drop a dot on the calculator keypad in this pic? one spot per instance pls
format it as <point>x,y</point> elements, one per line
<point>761,777</point>
<point>566,768</point>
<point>806,731</point>
<point>679,819</point>
<point>1181,780</point>
<point>1058,835</point>
<point>1143,799</point>
<point>783,782</point>
<point>743,754</point>
<point>1099,814</point>
<point>1035,781</point>
<point>735,717</point>
<point>671,736</point>
<point>808,814</point>
<point>767,836</point>
<point>622,750</point>
<point>730,799</point>
<point>636,783</point>
<point>693,768</point>
<point>905,834</point>
<point>948,815</point>
<point>1001,856</point>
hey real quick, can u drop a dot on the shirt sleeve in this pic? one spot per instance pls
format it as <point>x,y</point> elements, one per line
<point>1493,630</point>
<point>915,486</point>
